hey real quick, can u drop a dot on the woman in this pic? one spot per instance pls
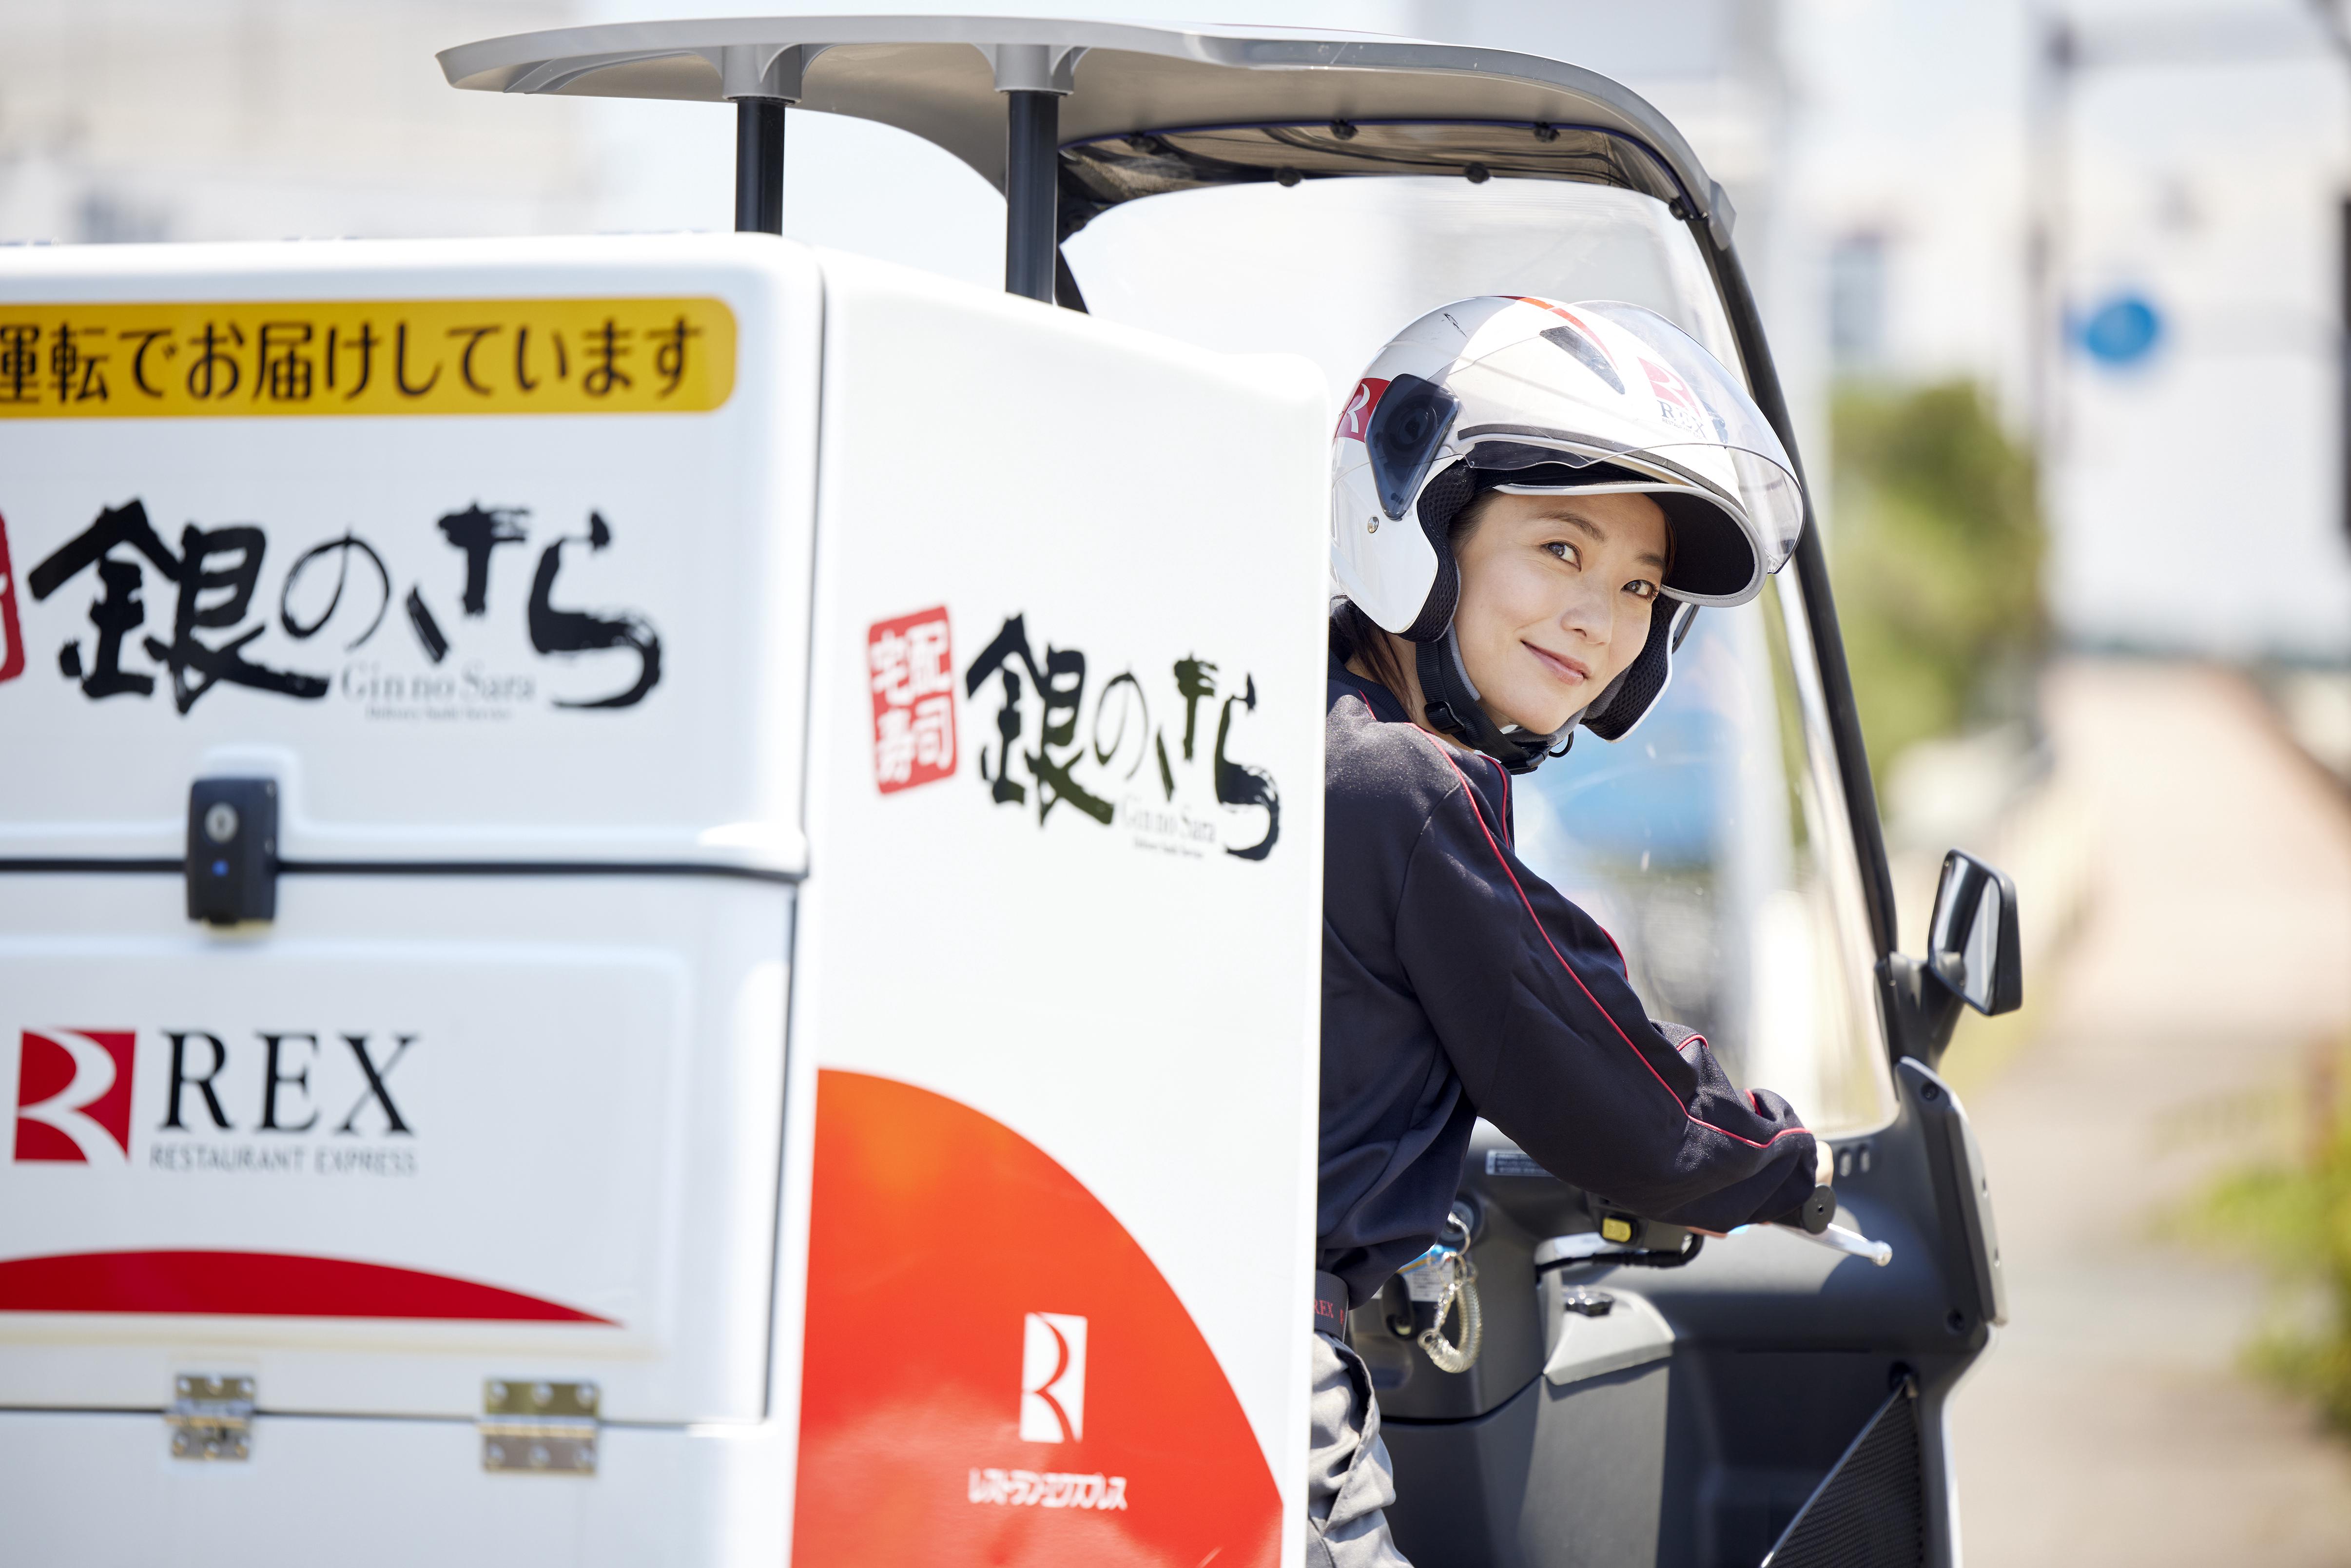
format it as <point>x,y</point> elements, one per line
<point>1530,501</point>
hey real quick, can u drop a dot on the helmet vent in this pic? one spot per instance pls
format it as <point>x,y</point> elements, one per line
<point>1587,353</point>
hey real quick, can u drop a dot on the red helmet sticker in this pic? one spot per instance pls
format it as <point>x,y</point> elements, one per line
<point>1358,417</point>
<point>1562,311</point>
<point>910,663</point>
<point>12,640</point>
<point>1675,398</point>
<point>1555,309</point>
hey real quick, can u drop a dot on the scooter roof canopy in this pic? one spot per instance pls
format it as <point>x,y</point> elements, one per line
<point>1143,110</point>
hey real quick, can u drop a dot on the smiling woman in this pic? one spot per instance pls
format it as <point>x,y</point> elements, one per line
<point>1715,842</point>
<point>1516,482</point>
<point>1557,592</point>
<point>1606,434</point>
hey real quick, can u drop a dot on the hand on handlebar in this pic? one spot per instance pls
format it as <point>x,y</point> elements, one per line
<point>1820,1205</point>
<point>1818,1208</point>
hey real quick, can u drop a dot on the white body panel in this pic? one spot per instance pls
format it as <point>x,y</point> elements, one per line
<point>609,1118</point>
<point>708,518</point>
<point>590,1096</point>
<point>1163,514</point>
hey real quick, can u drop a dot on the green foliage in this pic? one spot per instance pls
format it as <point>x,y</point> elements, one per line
<point>1935,550</point>
<point>2295,1219</point>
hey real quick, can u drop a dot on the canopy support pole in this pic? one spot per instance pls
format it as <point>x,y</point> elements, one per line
<point>1031,152</point>
<point>759,165</point>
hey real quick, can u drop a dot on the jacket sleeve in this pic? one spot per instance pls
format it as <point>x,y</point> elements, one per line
<point>1530,998</point>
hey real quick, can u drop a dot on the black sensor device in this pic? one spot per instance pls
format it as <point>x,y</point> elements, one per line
<point>233,850</point>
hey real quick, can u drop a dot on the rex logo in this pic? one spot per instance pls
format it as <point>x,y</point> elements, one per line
<point>73,1094</point>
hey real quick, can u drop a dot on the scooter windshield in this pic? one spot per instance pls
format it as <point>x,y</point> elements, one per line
<point>1331,268</point>
<point>1716,840</point>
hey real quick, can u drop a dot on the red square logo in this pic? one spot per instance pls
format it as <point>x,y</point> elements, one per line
<point>1357,417</point>
<point>912,666</point>
<point>12,642</point>
<point>73,1094</point>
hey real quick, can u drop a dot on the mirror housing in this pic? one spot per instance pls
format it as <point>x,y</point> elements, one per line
<point>1972,957</point>
<point>1971,942</point>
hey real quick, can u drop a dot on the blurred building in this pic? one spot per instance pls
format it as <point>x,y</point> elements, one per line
<point>2135,239</point>
<point>2126,219</point>
<point>2197,417</point>
<point>196,119</point>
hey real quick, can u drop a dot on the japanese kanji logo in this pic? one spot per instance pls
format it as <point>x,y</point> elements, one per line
<point>912,667</point>
<point>219,611</point>
<point>12,640</point>
<point>1175,789</point>
<point>73,1094</point>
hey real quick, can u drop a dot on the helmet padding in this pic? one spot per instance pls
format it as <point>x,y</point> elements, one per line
<point>1442,500</point>
<point>1628,698</point>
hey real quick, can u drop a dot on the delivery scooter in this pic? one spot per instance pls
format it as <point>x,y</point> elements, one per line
<point>652,912</point>
<point>1605,1389</point>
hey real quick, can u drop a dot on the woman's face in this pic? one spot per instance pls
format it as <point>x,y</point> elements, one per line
<point>1556,595</point>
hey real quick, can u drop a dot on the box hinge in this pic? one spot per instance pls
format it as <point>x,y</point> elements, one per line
<point>538,1427</point>
<point>211,1416</point>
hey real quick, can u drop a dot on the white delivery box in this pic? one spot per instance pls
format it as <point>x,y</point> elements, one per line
<point>658,903</point>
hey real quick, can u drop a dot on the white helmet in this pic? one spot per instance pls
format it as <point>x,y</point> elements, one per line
<point>1528,396</point>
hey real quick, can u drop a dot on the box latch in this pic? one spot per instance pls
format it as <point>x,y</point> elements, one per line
<point>232,868</point>
<point>211,1416</point>
<point>539,1427</point>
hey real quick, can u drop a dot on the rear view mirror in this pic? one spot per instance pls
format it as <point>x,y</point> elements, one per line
<point>1971,945</point>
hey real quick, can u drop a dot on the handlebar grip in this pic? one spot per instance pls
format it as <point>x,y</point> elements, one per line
<point>1818,1208</point>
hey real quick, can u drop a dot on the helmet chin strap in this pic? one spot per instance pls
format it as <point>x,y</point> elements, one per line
<point>1449,700</point>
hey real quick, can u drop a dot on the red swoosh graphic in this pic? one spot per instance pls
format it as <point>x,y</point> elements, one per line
<point>260,1285</point>
<point>898,1400</point>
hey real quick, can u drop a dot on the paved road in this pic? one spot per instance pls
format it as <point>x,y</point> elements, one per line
<point>2109,1425</point>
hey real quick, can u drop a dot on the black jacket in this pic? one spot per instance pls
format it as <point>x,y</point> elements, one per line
<point>1456,984</point>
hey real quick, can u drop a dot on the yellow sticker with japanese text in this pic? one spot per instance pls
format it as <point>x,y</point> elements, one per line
<point>365,357</point>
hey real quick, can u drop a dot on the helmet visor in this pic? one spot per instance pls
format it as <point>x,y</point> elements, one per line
<point>1760,488</point>
<point>1714,561</point>
<point>1702,395</point>
<point>1732,448</point>
<point>1754,497</point>
<point>1755,489</point>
